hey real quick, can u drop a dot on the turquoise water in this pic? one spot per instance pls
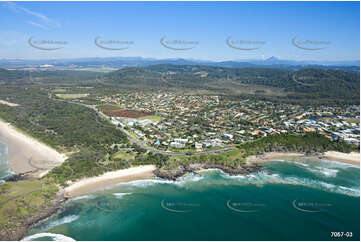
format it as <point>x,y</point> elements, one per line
<point>4,167</point>
<point>299,200</point>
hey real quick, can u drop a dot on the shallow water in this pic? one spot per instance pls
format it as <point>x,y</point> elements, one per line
<point>299,200</point>
<point>4,166</point>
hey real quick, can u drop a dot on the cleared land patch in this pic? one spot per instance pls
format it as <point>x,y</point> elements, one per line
<point>8,103</point>
<point>153,118</point>
<point>72,96</point>
<point>59,90</point>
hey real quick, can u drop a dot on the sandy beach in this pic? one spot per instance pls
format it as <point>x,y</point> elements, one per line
<point>272,156</point>
<point>27,154</point>
<point>349,158</point>
<point>8,103</point>
<point>91,184</point>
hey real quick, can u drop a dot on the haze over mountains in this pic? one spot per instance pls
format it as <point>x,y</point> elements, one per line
<point>121,62</point>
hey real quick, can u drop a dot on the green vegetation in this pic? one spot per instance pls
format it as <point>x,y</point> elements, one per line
<point>93,142</point>
<point>64,126</point>
<point>310,143</point>
<point>306,85</point>
<point>301,86</point>
<point>21,200</point>
<point>124,155</point>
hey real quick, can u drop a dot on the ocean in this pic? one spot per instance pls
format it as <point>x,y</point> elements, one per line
<point>303,199</point>
<point>4,166</point>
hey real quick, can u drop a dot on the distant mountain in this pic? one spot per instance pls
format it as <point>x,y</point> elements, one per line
<point>121,62</point>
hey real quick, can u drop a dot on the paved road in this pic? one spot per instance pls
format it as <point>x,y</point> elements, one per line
<point>143,144</point>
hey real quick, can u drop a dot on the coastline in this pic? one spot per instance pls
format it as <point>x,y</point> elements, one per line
<point>92,184</point>
<point>352,158</point>
<point>26,154</point>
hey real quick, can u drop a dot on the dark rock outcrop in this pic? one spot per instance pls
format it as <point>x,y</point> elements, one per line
<point>233,171</point>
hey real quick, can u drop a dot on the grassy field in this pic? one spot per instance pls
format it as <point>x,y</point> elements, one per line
<point>109,107</point>
<point>71,96</point>
<point>124,155</point>
<point>152,118</point>
<point>228,156</point>
<point>22,199</point>
<point>233,154</point>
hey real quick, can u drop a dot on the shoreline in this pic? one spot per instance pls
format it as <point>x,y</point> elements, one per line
<point>91,184</point>
<point>26,154</point>
<point>352,158</point>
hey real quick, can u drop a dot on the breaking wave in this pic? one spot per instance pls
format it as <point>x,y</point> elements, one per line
<point>64,220</point>
<point>121,194</point>
<point>327,172</point>
<point>55,237</point>
<point>82,197</point>
<point>262,178</point>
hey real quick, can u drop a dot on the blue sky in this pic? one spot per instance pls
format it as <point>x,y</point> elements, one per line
<point>335,26</point>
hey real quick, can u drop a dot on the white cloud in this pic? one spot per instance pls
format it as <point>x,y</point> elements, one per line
<point>36,24</point>
<point>46,22</point>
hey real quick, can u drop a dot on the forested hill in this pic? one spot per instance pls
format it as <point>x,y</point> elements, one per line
<point>12,76</point>
<point>307,83</point>
<point>44,76</point>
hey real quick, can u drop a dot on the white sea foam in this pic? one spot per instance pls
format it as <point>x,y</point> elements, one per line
<point>63,220</point>
<point>55,237</point>
<point>121,194</point>
<point>210,170</point>
<point>301,164</point>
<point>337,164</point>
<point>146,182</point>
<point>82,197</point>
<point>327,172</point>
<point>188,178</point>
<point>262,178</point>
